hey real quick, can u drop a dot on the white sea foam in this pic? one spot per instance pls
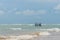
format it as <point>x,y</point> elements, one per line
<point>20,37</point>
<point>44,33</point>
<point>52,29</point>
<point>25,37</point>
<point>16,28</point>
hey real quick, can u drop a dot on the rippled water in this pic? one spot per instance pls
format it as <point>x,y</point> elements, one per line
<point>6,29</point>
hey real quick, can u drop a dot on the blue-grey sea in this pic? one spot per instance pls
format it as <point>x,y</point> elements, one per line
<point>17,29</point>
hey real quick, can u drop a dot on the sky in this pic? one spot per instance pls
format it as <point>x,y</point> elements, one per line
<point>29,11</point>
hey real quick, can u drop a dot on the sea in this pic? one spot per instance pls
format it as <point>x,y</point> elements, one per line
<point>19,29</point>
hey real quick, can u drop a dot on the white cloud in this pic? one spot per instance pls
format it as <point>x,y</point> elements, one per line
<point>25,12</point>
<point>28,12</point>
<point>12,10</point>
<point>31,12</point>
<point>57,7</point>
<point>18,12</point>
<point>43,0</point>
<point>39,0</point>
<point>42,11</point>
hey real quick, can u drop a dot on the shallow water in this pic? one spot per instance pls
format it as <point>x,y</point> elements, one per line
<point>8,29</point>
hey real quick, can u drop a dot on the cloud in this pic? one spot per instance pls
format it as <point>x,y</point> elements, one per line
<point>12,10</point>
<point>25,12</point>
<point>42,11</point>
<point>43,0</point>
<point>32,12</point>
<point>57,7</point>
<point>38,1</point>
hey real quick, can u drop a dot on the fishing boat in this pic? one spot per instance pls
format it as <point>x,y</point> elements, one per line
<point>38,24</point>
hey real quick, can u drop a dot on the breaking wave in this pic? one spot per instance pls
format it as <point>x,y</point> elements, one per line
<point>16,28</point>
<point>52,29</point>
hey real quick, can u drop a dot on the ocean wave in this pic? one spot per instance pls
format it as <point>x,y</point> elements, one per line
<point>52,29</point>
<point>44,33</point>
<point>16,28</point>
<point>25,36</point>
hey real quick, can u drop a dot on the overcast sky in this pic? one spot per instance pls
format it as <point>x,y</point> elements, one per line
<point>29,11</point>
